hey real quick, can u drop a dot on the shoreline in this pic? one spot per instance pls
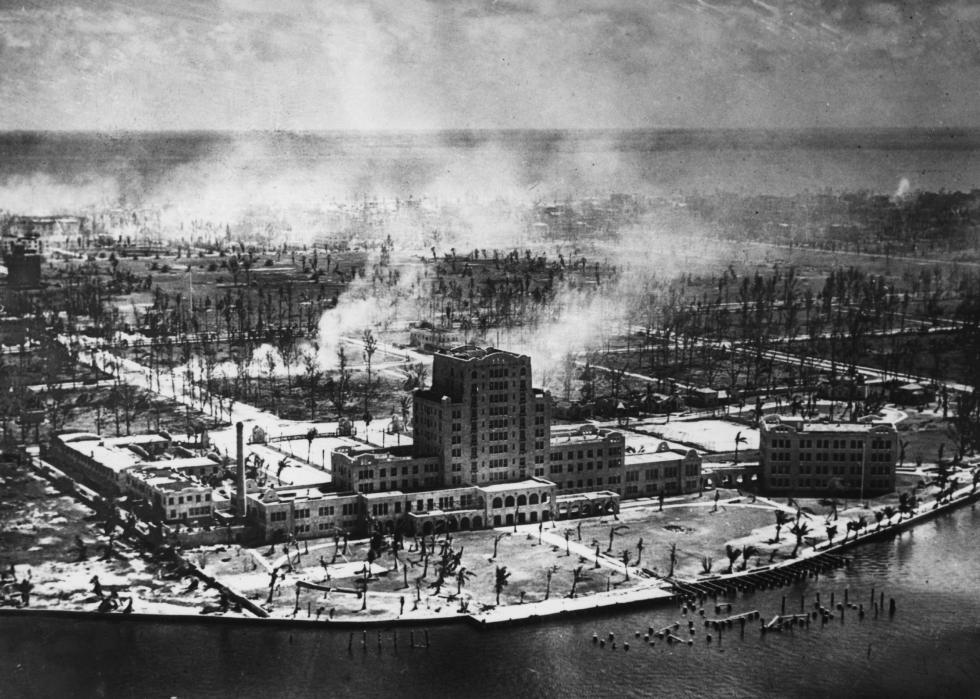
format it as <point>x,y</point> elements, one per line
<point>534,612</point>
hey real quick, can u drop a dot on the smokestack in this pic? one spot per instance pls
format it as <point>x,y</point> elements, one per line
<point>240,457</point>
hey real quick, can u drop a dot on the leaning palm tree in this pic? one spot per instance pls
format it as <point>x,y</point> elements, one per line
<point>577,577</point>
<point>782,519</point>
<point>799,530</point>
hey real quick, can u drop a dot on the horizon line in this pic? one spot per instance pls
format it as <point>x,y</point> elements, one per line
<point>491,130</point>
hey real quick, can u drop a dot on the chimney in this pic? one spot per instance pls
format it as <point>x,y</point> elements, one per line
<point>240,457</point>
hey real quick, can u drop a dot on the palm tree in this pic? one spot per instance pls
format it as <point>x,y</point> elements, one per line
<point>733,555</point>
<point>879,515</point>
<point>370,347</point>
<point>672,559</point>
<point>311,434</point>
<point>577,577</point>
<point>888,511</point>
<point>626,562</point>
<point>747,553</point>
<point>831,533</point>
<point>739,439</point>
<point>500,581</point>
<point>782,519</point>
<point>615,529</point>
<point>799,530</point>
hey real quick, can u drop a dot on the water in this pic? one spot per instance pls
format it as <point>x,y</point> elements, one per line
<point>929,649</point>
<point>170,168</point>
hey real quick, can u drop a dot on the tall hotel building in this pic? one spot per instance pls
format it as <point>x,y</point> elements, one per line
<point>483,417</point>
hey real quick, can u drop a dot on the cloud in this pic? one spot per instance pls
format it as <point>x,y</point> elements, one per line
<point>421,64</point>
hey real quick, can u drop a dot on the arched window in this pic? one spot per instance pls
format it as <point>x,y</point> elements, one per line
<point>533,500</point>
<point>509,501</point>
<point>497,503</point>
<point>522,500</point>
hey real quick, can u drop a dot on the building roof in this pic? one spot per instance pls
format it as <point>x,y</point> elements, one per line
<point>517,485</point>
<point>184,462</point>
<point>580,436</point>
<point>651,457</point>
<point>801,425</point>
<point>163,478</point>
<point>470,352</point>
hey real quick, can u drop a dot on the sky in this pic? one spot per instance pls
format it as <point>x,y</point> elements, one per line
<point>486,64</point>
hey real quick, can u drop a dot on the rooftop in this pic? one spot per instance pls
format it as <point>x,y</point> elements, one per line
<point>801,425</point>
<point>517,485</point>
<point>468,352</point>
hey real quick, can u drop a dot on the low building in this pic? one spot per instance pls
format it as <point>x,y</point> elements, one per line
<point>665,471</point>
<point>97,462</point>
<point>531,500</point>
<point>304,512</point>
<point>430,338</point>
<point>801,458</point>
<point>172,496</point>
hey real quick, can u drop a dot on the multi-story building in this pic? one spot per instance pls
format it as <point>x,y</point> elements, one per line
<point>586,459</point>
<point>797,457</point>
<point>304,512</point>
<point>664,471</point>
<point>367,469</point>
<point>101,461</point>
<point>171,495</point>
<point>482,417</point>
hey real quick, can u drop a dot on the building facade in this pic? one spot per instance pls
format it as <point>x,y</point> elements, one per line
<point>482,417</point>
<point>797,457</point>
<point>173,497</point>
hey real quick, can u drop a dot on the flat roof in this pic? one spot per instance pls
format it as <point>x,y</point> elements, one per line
<point>594,495</point>
<point>468,352</point>
<point>297,494</point>
<point>576,438</point>
<point>182,462</point>
<point>504,487</point>
<point>801,425</point>
<point>114,458</point>
<point>650,457</point>
<point>383,494</point>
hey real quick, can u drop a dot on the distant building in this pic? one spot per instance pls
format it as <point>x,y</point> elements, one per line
<point>800,458</point>
<point>430,338</point>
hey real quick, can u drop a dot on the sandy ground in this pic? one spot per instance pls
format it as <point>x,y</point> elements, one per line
<point>39,534</point>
